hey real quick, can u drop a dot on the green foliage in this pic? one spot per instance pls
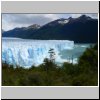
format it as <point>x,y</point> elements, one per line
<point>85,73</point>
<point>89,59</point>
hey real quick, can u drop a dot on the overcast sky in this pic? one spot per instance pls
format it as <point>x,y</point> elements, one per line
<point>10,21</point>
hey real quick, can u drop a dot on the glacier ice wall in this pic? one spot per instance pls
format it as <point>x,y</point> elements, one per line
<point>31,52</point>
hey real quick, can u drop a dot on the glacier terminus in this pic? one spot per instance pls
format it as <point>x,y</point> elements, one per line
<point>26,52</point>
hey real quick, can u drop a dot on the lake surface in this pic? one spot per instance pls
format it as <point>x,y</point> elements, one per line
<point>25,52</point>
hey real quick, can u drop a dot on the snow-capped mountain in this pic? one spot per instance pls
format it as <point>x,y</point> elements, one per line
<point>63,22</point>
<point>34,26</point>
<point>76,29</point>
<point>22,32</point>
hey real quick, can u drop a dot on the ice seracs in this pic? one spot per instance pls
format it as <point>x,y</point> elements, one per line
<point>31,52</point>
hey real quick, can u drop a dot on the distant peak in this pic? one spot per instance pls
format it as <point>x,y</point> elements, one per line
<point>34,26</point>
<point>85,17</point>
<point>63,21</point>
<point>70,18</point>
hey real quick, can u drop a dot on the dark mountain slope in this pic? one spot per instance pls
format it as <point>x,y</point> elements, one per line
<point>21,32</point>
<point>83,29</point>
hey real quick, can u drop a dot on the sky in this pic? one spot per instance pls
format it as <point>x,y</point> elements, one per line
<point>11,21</point>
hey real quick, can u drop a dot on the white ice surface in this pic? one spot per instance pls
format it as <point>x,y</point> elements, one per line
<point>32,52</point>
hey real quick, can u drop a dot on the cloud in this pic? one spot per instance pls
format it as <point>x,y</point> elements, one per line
<point>93,15</point>
<point>10,21</point>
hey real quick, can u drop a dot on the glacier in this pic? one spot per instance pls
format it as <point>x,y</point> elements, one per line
<point>25,52</point>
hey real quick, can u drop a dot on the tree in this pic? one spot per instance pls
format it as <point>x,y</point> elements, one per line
<point>52,55</point>
<point>49,63</point>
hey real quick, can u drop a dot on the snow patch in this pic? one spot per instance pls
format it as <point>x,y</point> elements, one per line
<point>63,22</point>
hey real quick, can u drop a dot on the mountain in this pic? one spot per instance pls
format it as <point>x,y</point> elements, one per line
<point>83,29</point>
<point>22,32</point>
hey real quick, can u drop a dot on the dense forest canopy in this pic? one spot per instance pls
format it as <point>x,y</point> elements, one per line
<point>85,73</point>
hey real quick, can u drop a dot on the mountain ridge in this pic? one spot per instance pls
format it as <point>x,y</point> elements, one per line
<point>76,29</point>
